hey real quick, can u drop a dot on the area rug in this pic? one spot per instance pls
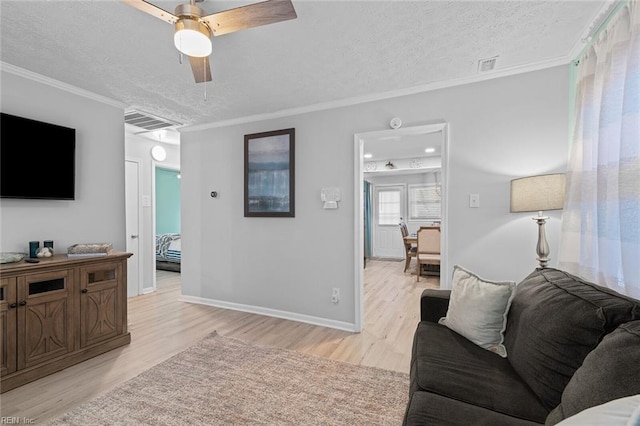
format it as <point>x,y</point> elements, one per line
<point>226,381</point>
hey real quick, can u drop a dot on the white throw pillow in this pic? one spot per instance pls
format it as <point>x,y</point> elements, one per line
<point>619,412</point>
<point>478,309</point>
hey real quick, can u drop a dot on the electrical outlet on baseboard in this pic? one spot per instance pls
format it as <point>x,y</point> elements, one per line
<point>335,295</point>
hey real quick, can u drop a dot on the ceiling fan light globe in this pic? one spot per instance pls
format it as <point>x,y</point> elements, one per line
<point>192,38</point>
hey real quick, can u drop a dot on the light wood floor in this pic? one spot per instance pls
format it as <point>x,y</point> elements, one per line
<point>161,326</point>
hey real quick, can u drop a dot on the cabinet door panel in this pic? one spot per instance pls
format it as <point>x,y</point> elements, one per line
<point>100,314</point>
<point>100,302</point>
<point>7,325</point>
<point>47,316</point>
<point>46,330</point>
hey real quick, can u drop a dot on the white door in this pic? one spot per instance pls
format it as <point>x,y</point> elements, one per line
<point>388,208</point>
<point>132,183</point>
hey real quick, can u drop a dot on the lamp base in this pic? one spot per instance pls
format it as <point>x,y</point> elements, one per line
<point>542,248</point>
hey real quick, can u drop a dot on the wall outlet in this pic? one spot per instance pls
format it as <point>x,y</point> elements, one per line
<point>335,295</point>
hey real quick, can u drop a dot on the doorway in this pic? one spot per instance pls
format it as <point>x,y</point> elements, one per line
<point>439,129</point>
<point>166,220</point>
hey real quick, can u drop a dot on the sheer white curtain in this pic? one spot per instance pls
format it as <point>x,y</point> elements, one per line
<point>600,239</point>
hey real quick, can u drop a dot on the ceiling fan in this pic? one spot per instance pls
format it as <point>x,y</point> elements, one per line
<point>193,29</point>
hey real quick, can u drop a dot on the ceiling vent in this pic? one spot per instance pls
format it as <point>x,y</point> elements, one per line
<point>487,64</point>
<point>147,121</point>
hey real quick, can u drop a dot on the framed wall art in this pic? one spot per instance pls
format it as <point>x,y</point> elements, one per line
<point>269,178</point>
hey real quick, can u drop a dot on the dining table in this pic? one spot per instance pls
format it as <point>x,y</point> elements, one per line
<point>411,239</point>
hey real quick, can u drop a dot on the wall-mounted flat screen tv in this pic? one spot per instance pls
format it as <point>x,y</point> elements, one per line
<point>37,159</point>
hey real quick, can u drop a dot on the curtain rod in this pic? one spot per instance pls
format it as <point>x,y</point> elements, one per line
<point>598,25</point>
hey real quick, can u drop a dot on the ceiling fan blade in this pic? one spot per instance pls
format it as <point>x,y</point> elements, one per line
<point>201,68</point>
<point>153,10</point>
<point>253,15</point>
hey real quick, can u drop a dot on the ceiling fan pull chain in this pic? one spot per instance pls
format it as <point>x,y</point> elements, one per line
<point>180,58</point>
<point>204,67</point>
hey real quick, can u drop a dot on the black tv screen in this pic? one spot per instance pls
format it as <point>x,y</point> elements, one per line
<point>37,159</point>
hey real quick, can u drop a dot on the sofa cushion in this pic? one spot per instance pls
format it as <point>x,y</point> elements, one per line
<point>448,364</point>
<point>434,304</point>
<point>429,409</point>
<point>478,309</point>
<point>554,321</point>
<point>611,371</point>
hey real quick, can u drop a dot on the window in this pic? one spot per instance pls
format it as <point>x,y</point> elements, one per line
<point>424,202</point>
<point>389,209</point>
<point>600,238</point>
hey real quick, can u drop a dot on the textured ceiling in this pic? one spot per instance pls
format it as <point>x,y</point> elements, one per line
<point>333,51</point>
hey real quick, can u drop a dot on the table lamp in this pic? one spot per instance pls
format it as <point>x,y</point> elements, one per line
<point>538,193</point>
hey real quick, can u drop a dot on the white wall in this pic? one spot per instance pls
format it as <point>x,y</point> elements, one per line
<point>97,214</point>
<point>499,129</point>
<point>138,148</point>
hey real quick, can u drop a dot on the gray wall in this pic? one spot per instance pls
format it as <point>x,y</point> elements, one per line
<point>98,212</point>
<point>499,129</point>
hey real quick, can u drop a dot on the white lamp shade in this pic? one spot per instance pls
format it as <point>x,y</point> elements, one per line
<point>538,193</point>
<point>192,38</point>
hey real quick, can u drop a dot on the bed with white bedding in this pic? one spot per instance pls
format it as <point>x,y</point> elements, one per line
<point>168,252</point>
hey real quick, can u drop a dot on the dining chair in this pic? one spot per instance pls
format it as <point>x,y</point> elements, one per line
<point>410,250</point>
<point>428,250</point>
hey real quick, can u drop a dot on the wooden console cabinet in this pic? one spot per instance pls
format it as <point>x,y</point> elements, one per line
<point>59,312</point>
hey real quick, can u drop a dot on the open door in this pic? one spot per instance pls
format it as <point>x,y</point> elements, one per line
<point>132,185</point>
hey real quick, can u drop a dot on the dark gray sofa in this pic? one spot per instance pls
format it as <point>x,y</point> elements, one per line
<point>570,345</point>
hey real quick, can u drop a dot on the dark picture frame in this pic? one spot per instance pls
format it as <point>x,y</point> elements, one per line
<point>269,174</point>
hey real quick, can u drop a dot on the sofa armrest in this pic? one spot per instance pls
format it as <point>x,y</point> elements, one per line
<point>434,304</point>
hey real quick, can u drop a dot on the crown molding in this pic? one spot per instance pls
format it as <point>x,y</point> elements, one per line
<point>12,69</point>
<point>563,60</point>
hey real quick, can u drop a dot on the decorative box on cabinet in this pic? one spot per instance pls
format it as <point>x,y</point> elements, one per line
<point>60,312</point>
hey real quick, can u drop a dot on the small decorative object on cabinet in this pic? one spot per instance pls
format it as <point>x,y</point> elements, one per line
<point>10,257</point>
<point>60,312</point>
<point>44,252</point>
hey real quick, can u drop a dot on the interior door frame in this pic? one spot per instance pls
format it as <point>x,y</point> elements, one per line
<point>359,140</point>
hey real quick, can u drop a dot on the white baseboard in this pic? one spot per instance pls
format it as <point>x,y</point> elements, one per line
<point>324,322</point>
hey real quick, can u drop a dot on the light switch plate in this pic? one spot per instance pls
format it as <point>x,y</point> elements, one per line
<point>474,200</point>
